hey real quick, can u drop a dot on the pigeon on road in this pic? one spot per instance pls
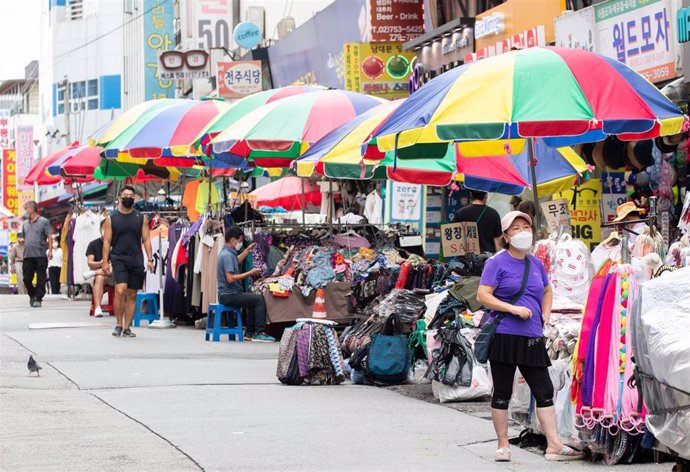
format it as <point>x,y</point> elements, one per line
<point>33,366</point>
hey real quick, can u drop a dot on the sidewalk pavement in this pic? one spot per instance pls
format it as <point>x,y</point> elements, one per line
<point>169,401</point>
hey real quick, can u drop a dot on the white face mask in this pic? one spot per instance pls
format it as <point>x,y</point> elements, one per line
<point>55,245</point>
<point>238,246</point>
<point>521,241</point>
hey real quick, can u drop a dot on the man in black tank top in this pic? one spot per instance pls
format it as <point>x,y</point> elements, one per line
<point>124,232</point>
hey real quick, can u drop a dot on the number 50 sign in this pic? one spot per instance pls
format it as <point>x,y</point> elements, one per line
<point>458,239</point>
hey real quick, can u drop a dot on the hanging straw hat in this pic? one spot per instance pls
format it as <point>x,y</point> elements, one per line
<point>625,209</point>
<point>639,154</point>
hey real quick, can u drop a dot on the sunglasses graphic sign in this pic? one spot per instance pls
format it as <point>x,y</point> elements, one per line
<point>183,65</point>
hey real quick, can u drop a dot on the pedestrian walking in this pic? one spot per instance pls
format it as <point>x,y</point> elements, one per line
<point>54,268</point>
<point>515,286</point>
<point>124,232</point>
<point>38,248</point>
<point>16,257</point>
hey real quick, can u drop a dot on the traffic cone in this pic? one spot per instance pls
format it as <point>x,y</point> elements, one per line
<point>319,304</point>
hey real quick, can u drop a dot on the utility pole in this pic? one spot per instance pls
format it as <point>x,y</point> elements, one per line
<point>67,105</point>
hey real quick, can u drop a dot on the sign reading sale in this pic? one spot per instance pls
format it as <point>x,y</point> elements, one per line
<point>458,239</point>
<point>239,79</point>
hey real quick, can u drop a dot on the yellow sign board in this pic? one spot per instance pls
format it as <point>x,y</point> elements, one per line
<point>585,212</point>
<point>378,69</point>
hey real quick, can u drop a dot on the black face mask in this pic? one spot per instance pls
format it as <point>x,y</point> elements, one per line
<point>127,202</point>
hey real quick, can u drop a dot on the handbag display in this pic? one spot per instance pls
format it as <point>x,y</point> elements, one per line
<point>389,359</point>
<point>482,345</point>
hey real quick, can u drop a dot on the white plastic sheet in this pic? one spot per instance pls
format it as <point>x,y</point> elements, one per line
<point>660,329</point>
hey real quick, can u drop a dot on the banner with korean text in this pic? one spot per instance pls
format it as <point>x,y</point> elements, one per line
<point>159,35</point>
<point>638,33</point>
<point>9,181</point>
<point>24,144</point>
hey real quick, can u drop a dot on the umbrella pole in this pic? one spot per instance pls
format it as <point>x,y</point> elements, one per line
<point>303,205</point>
<point>535,191</point>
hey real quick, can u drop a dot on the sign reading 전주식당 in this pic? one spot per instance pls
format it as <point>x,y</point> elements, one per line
<point>396,20</point>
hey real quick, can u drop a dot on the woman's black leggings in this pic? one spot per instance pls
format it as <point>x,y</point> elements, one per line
<point>503,374</point>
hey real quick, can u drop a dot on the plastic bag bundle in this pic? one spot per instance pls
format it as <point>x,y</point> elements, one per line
<point>404,303</point>
<point>660,327</point>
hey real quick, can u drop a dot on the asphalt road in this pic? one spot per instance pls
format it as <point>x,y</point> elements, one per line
<point>169,401</point>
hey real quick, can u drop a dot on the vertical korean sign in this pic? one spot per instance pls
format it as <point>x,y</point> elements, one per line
<point>638,33</point>
<point>25,159</point>
<point>158,36</point>
<point>9,181</point>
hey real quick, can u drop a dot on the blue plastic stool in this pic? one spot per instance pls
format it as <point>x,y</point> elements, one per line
<point>215,312</point>
<point>151,308</point>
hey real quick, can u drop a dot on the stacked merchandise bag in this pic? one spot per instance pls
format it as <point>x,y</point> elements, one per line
<point>309,353</point>
<point>454,372</point>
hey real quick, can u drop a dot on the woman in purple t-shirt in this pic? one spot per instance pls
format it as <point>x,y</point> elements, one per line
<point>519,340</point>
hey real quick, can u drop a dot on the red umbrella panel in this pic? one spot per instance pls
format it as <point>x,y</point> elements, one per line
<point>38,174</point>
<point>287,193</point>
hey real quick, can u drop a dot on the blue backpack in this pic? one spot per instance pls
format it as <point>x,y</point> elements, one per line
<point>388,361</point>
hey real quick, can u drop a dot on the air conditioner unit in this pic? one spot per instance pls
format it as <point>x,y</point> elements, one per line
<point>257,15</point>
<point>286,26</point>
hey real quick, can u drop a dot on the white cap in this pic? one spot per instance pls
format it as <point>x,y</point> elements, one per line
<point>507,220</point>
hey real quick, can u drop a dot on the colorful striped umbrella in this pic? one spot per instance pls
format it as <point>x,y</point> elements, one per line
<point>556,169</point>
<point>566,96</point>
<point>111,169</point>
<point>141,114</point>
<point>246,105</point>
<point>276,133</point>
<point>338,154</point>
<point>166,132</point>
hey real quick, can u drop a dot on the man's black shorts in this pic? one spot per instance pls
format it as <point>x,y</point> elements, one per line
<point>131,273</point>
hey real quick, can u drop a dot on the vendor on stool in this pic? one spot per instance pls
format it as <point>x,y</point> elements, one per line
<point>94,258</point>
<point>230,290</point>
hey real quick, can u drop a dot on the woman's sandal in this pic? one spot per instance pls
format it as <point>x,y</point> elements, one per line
<point>502,455</point>
<point>566,454</point>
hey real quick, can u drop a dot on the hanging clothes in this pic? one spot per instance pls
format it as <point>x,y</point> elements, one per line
<point>209,262</point>
<point>87,228</point>
<point>373,208</point>
<point>173,294</point>
<point>64,245</point>
<point>159,247</point>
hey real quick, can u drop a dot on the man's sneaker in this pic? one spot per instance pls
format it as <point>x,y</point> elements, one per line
<point>262,338</point>
<point>98,312</point>
<point>36,304</point>
<point>89,274</point>
<point>31,301</point>
<point>128,334</point>
<point>117,332</point>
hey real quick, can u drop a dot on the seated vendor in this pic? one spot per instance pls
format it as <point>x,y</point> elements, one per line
<point>230,290</point>
<point>94,259</point>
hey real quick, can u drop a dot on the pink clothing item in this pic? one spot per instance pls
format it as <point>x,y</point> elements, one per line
<point>351,241</point>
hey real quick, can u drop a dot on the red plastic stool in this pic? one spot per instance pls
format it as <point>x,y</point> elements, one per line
<point>110,307</point>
